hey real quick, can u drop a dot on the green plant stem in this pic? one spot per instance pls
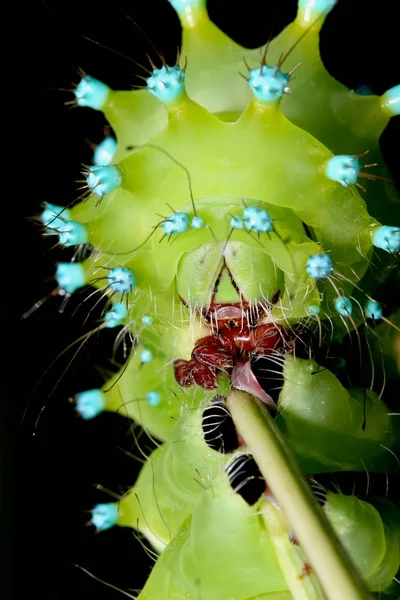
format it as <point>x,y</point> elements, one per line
<point>332,566</point>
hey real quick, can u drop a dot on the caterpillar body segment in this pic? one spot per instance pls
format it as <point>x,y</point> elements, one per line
<point>361,433</point>
<point>286,569</point>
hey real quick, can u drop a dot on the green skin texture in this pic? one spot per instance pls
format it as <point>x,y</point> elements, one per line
<point>237,148</point>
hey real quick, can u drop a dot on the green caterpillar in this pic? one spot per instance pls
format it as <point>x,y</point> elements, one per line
<point>229,232</point>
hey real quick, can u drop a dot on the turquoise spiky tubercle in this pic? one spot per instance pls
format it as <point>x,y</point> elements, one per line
<point>92,93</point>
<point>229,172</point>
<point>104,152</point>
<point>90,403</point>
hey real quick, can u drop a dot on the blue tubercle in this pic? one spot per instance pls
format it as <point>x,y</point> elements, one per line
<point>121,280</point>
<point>387,237</point>
<point>343,168</point>
<point>319,266</point>
<point>257,219</point>
<point>90,403</point>
<point>116,316</point>
<point>176,223</point>
<point>103,180</point>
<point>373,310</point>
<point>153,398</point>
<point>105,516</point>
<point>147,320</point>
<point>70,277</point>
<point>146,356</point>
<point>316,7</point>
<point>167,83</point>
<point>92,93</point>
<point>54,216</point>
<point>72,233</point>
<point>197,222</point>
<point>343,306</point>
<point>237,223</point>
<point>391,101</point>
<point>313,310</point>
<point>182,5</point>
<point>268,83</point>
<point>104,152</point>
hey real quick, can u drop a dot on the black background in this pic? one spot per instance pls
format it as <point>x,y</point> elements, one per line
<point>58,461</point>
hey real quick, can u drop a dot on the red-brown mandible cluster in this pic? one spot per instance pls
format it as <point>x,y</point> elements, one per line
<point>235,336</point>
